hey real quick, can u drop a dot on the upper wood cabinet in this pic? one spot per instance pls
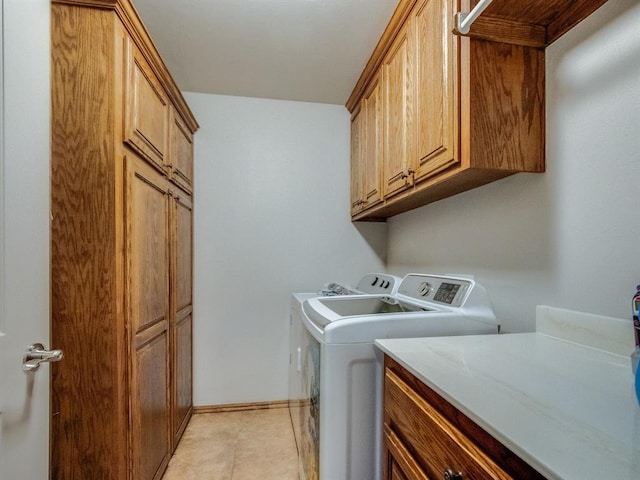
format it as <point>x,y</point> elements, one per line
<point>367,150</point>
<point>357,159</point>
<point>181,150</point>
<point>146,109</point>
<point>121,246</point>
<point>459,112</point>
<point>436,129</point>
<point>398,93</point>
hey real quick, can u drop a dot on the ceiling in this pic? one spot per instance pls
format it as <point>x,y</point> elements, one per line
<point>304,50</point>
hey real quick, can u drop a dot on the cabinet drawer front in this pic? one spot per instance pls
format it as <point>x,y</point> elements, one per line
<point>436,444</point>
<point>146,109</point>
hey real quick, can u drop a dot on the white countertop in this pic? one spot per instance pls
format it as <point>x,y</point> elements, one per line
<point>566,408</point>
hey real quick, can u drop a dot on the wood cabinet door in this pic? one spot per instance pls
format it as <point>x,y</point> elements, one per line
<point>147,289</point>
<point>436,131</point>
<point>182,318</point>
<point>181,158</point>
<point>146,109</point>
<point>436,445</point>
<point>399,464</point>
<point>397,75</point>
<point>372,143</point>
<point>357,159</point>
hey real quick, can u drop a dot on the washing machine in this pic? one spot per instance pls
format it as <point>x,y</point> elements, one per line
<point>340,426</point>
<point>304,355</point>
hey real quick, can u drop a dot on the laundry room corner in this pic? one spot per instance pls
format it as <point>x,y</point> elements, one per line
<point>270,217</point>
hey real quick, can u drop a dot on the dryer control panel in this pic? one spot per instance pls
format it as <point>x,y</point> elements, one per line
<point>450,291</point>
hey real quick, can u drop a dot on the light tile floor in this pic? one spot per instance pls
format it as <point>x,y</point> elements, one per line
<point>249,445</point>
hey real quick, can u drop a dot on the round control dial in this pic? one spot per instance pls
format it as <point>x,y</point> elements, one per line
<point>424,289</point>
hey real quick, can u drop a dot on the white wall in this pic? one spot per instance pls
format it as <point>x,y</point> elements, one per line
<point>271,218</point>
<point>569,237</point>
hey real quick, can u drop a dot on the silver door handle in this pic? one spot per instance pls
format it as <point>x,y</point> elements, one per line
<point>37,354</point>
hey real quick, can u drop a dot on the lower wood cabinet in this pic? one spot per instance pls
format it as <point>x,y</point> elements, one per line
<point>147,272</point>
<point>181,315</point>
<point>425,437</point>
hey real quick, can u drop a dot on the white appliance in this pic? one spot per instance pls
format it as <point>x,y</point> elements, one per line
<point>303,350</point>
<point>341,407</point>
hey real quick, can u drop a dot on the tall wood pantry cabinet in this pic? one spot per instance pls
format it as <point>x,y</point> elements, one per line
<point>121,246</point>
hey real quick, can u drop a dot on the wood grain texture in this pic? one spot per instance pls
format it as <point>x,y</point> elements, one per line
<point>146,247</point>
<point>136,29</point>
<point>473,106</point>
<point>150,442</point>
<point>570,16</point>
<point>181,153</point>
<point>89,419</point>
<point>537,12</point>
<point>182,248</point>
<point>146,110</point>
<point>436,123</point>
<point>536,23</point>
<point>398,461</point>
<point>181,316</point>
<point>508,31</point>
<point>110,262</point>
<point>367,130</point>
<point>358,120</point>
<point>147,286</point>
<point>182,379</point>
<point>459,112</point>
<point>434,443</point>
<point>373,143</point>
<point>398,81</point>
<point>507,461</point>
<point>392,29</point>
<point>506,92</point>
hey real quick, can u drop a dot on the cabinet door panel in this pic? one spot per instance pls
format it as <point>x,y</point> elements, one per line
<point>183,246</point>
<point>146,109</point>
<point>147,287</point>
<point>181,153</point>
<point>182,374</point>
<point>357,160</point>
<point>373,145</point>
<point>435,93</point>
<point>147,226</point>
<point>181,328</point>
<point>398,80</point>
<point>399,464</point>
<point>150,408</point>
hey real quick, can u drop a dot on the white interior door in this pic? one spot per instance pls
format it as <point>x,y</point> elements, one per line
<point>24,237</point>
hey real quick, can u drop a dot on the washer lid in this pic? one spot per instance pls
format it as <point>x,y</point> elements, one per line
<point>325,310</point>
